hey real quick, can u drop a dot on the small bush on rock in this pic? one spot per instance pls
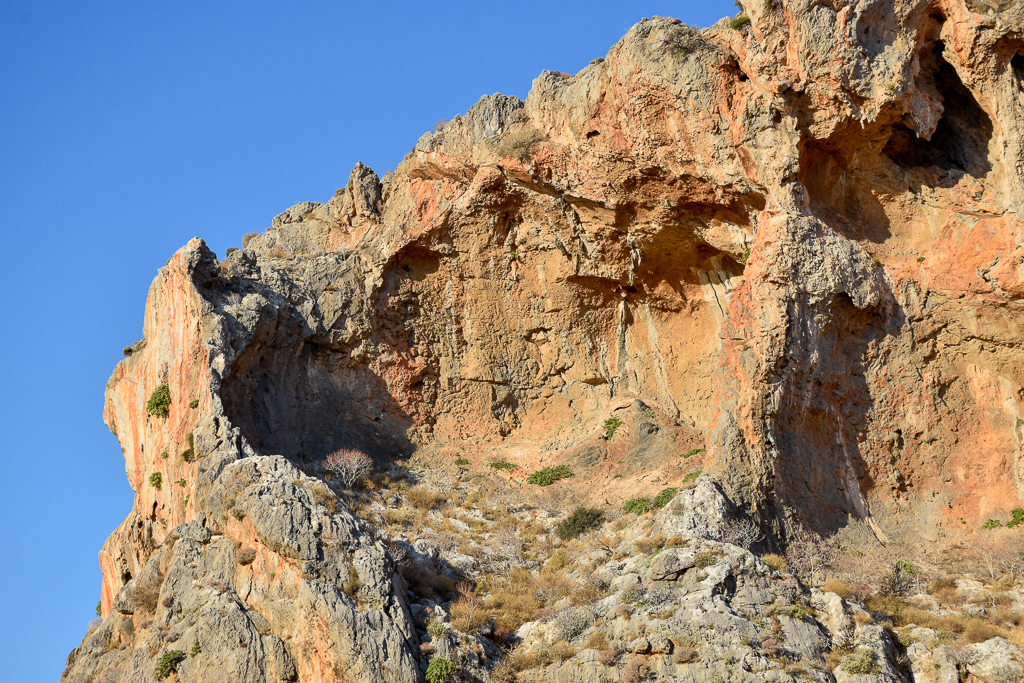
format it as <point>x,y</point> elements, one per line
<point>580,521</point>
<point>156,480</point>
<point>440,670</point>
<point>503,465</point>
<point>168,664</point>
<point>776,562</point>
<point>637,506</point>
<point>549,475</point>
<point>159,401</point>
<point>703,560</point>
<point>610,426</point>
<point>665,496</point>
<point>861,663</point>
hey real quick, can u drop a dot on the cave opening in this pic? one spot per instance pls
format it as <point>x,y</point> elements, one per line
<point>961,139</point>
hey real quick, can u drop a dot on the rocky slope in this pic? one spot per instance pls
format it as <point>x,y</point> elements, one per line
<point>793,241</point>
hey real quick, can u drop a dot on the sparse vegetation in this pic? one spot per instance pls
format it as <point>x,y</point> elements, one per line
<point>437,629</point>
<point>189,454</point>
<point>196,649</point>
<point>692,452</point>
<point>991,524</point>
<point>610,426</point>
<point>441,670</point>
<point>738,23</point>
<point>579,522</point>
<point>637,506</point>
<point>156,480</point>
<point>862,663</point>
<point>665,496</point>
<point>776,562</point>
<point>193,404</point>
<point>703,560</point>
<point>503,465</point>
<point>517,142</point>
<point>691,477</point>
<point>168,664</point>
<point>461,462</point>
<point>549,475</point>
<point>159,401</point>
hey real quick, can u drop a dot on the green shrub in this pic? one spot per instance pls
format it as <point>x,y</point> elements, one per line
<point>1017,515</point>
<point>703,560</point>
<point>168,664</point>
<point>437,629</point>
<point>461,462</point>
<point>159,401</point>
<point>691,452</point>
<point>193,404</point>
<point>156,480</point>
<point>163,455</point>
<point>503,465</point>
<point>196,649</point>
<point>549,475</point>
<point>863,663</point>
<point>692,476</point>
<point>99,608</point>
<point>189,454</point>
<point>181,483</point>
<point>637,506</point>
<point>907,567</point>
<point>580,521</point>
<point>666,495</point>
<point>739,22</point>
<point>610,425</point>
<point>440,670</point>
<point>991,524</point>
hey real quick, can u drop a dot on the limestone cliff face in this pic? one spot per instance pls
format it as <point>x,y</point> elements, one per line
<point>797,242</point>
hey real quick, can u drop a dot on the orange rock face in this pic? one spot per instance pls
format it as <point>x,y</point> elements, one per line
<point>797,243</point>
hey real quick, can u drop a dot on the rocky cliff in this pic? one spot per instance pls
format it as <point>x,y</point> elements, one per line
<point>792,240</point>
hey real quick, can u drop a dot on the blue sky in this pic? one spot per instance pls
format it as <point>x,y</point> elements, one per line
<point>128,128</point>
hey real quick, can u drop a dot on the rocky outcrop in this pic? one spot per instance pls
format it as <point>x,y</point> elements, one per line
<point>794,241</point>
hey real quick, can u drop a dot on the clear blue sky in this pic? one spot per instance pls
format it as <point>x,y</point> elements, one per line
<point>128,128</point>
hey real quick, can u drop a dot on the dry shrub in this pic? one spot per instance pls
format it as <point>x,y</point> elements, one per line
<point>597,641</point>
<point>512,608</point>
<point>550,586</point>
<point>557,561</point>
<point>425,499</point>
<point>944,590</point>
<point>425,582</point>
<point>840,588</point>
<point>322,496</point>
<point>684,655</point>
<point>634,672</point>
<point>650,544</point>
<point>675,542</point>
<point>609,656</point>
<point>564,651</point>
<point>978,631</point>
<point>468,613</point>
<point>776,562</point>
<point>587,593</point>
<point>624,611</point>
<point>396,517</point>
<point>863,618</point>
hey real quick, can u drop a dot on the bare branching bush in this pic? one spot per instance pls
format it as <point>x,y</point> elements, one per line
<point>1002,551</point>
<point>742,533</point>
<point>348,466</point>
<point>247,237</point>
<point>468,613</point>
<point>809,555</point>
<point>571,622</point>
